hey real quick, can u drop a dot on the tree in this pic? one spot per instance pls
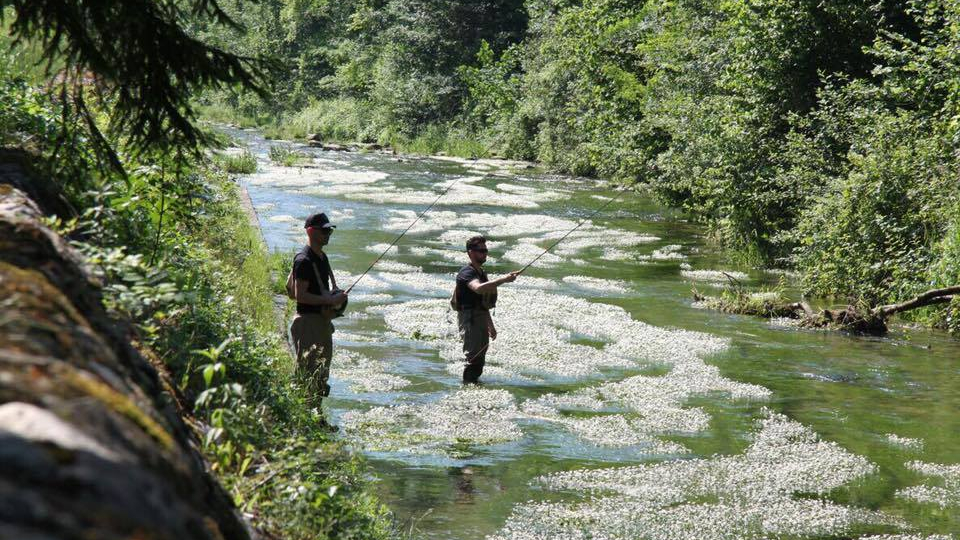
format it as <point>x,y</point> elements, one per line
<point>139,56</point>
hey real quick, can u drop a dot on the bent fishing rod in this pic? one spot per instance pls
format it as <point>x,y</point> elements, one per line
<point>350,288</point>
<point>571,231</point>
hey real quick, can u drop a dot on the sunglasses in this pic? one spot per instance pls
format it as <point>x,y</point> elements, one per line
<point>480,250</point>
<point>327,231</point>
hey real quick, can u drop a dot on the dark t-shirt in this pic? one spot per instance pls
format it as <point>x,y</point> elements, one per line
<point>303,265</point>
<point>466,298</point>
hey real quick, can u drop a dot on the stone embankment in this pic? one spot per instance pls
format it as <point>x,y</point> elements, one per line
<point>94,439</point>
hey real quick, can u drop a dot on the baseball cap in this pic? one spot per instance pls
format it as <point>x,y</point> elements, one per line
<point>318,221</point>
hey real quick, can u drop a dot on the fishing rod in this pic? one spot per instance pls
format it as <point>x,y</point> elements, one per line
<point>564,237</point>
<point>350,288</point>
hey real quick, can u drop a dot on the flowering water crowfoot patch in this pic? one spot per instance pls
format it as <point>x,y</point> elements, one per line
<point>597,284</point>
<point>666,253</point>
<point>364,373</point>
<point>904,442</point>
<point>474,416</point>
<point>396,266</point>
<point>945,495</point>
<point>713,275</point>
<point>537,330</point>
<point>747,496</point>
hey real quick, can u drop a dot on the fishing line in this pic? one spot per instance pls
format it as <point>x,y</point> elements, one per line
<point>564,237</point>
<point>350,288</point>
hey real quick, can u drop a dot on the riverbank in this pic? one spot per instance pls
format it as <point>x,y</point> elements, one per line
<point>284,471</point>
<point>331,123</point>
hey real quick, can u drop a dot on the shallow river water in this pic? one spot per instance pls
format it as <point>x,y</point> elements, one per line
<point>612,407</point>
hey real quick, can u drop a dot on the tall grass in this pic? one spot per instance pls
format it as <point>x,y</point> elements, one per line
<point>242,163</point>
<point>287,157</point>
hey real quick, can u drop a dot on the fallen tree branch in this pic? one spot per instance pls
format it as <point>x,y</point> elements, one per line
<point>933,296</point>
<point>855,319</point>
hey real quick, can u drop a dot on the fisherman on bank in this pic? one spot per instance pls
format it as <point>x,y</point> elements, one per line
<point>318,298</point>
<point>475,295</point>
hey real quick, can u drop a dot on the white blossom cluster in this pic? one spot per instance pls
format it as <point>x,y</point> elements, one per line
<point>666,253</point>
<point>614,254</point>
<point>945,495</point>
<point>460,193</point>
<point>282,218</point>
<point>469,416</point>
<point>597,284</point>
<point>745,496</point>
<point>380,248</point>
<point>387,265</point>
<point>364,373</point>
<point>904,442</point>
<point>524,252</point>
<point>713,275</point>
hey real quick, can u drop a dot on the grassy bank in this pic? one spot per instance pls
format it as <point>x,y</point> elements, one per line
<point>227,349</point>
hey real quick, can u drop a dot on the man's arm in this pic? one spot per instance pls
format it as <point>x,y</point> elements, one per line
<point>491,286</point>
<point>300,287</point>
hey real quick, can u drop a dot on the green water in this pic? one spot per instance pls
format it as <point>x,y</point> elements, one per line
<point>852,391</point>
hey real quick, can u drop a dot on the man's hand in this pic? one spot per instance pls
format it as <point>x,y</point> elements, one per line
<point>492,330</point>
<point>338,298</point>
<point>511,277</point>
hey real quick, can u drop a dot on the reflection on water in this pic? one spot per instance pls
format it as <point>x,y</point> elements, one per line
<point>695,424</point>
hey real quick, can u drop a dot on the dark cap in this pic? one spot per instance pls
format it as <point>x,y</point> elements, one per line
<point>318,221</point>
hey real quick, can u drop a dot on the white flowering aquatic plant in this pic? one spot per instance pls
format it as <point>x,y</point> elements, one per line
<point>364,373</point>
<point>945,495</point>
<point>904,442</point>
<point>449,426</point>
<point>714,275</point>
<point>753,495</point>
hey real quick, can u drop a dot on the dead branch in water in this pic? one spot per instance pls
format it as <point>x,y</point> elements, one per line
<point>855,319</point>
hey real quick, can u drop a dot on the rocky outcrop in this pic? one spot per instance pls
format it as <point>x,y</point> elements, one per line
<point>93,441</point>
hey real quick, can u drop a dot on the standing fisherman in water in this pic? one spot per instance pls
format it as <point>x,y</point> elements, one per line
<point>315,290</point>
<point>473,299</point>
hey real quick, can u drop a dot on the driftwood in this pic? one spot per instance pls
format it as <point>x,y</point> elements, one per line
<point>858,320</point>
<point>94,441</point>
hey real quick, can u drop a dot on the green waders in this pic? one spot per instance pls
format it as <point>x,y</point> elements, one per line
<point>476,338</point>
<point>312,338</point>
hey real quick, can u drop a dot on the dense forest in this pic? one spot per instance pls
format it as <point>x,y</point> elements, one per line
<point>818,136</point>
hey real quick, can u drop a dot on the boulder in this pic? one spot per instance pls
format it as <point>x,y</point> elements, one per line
<point>94,438</point>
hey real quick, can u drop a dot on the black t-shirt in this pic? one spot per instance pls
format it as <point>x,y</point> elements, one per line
<point>303,265</point>
<point>466,298</point>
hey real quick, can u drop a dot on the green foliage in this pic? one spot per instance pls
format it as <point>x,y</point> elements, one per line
<point>818,135</point>
<point>767,303</point>
<point>287,157</point>
<point>138,57</point>
<point>241,163</point>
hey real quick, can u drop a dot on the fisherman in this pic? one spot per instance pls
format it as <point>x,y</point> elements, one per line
<point>475,295</point>
<point>315,290</point>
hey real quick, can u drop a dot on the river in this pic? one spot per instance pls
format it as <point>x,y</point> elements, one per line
<point>612,406</point>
